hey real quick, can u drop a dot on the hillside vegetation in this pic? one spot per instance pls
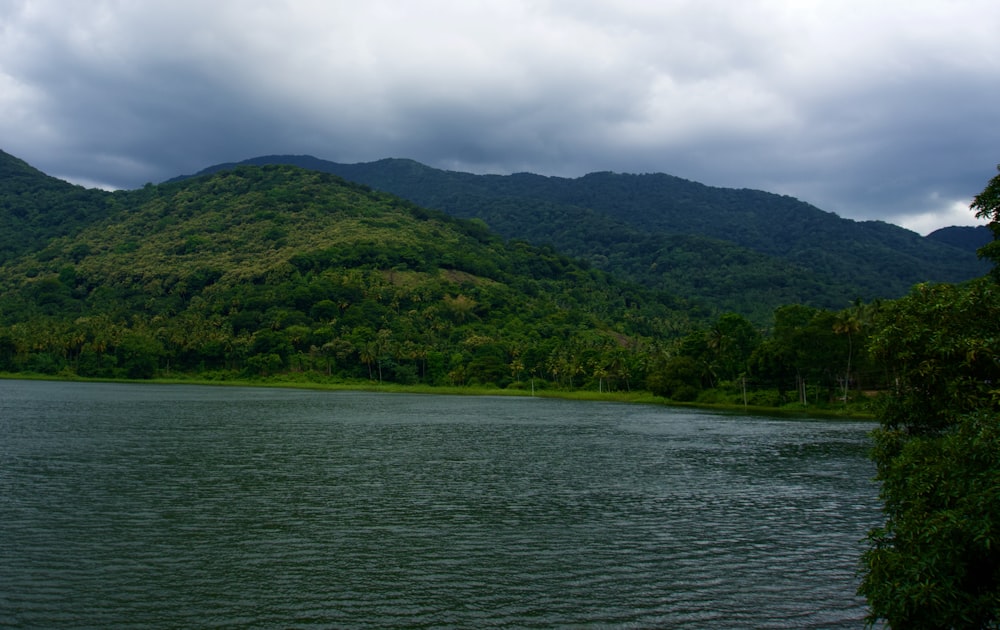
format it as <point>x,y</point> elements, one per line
<point>280,271</point>
<point>261,270</point>
<point>35,207</point>
<point>744,251</point>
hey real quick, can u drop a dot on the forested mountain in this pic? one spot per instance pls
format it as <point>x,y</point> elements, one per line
<point>259,270</point>
<point>964,237</point>
<point>738,250</point>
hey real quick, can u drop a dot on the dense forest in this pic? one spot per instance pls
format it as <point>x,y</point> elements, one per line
<point>742,251</point>
<point>277,269</point>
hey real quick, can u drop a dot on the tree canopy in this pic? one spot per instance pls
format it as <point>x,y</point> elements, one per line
<point>987,206</point>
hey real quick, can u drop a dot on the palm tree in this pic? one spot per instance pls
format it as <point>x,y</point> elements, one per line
<point>848,322</point>
<point>367,353</point>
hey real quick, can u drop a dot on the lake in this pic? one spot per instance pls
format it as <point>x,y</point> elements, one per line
<point>155,506</point>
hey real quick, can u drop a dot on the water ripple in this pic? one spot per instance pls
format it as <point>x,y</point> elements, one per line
<point>137,506</point>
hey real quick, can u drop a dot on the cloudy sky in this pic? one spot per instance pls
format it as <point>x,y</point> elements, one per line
<point>873,109</point>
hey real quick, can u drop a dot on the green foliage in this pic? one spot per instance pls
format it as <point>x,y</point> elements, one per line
<point>262,271</point>
<point>138,353</point>
<point>987,206</point>
<point>808,351</point>
<point>939,345</point>
<point>680,379</point>
<point>35,208</point>
<point>936,561</point>
<point>743,251</point>
<point>731,341</point>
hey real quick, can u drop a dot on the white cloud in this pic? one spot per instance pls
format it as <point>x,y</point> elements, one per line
<point>954,213</point>
<point>860,107</point>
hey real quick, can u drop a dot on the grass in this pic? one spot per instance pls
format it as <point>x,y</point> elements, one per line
<point>631,397</point>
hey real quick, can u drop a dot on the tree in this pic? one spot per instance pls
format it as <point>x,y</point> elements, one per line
<point>939,344</point>
<point>987,206</point>
<point>8,350</point>
<point>785,358</point>
<point>368,353</point>
<point>847,323</point>
<point>731,341</point>
<point>138,354</point>
<point>679,378</point>
<point>935,563</point>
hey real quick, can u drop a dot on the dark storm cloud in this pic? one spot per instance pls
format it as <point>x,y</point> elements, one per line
<point>871,110</point>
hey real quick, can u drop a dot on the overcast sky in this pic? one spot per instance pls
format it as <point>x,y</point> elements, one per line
<point>872,109</point>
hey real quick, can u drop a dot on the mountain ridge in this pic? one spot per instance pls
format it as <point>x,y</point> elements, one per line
<point>743,250</point>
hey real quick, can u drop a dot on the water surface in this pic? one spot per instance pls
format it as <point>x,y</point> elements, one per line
<point>184,506</point>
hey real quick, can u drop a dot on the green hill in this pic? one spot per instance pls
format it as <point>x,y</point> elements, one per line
<point>746,251</point>
<point>260,270</point>
<point>964,237</point>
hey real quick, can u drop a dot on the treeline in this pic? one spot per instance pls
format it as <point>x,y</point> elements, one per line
<point>809,356</point>
<point>257,272</point>
<point>319,320</point>
<point>403,325</point>
<point>274,270</point>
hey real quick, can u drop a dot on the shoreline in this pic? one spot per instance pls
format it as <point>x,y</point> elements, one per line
<point>633,397</point>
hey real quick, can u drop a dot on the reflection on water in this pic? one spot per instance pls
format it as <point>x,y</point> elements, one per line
<point>172,506</point>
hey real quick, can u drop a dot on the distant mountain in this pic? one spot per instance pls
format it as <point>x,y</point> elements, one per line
<point>964,237</point>
<point>746,251</point>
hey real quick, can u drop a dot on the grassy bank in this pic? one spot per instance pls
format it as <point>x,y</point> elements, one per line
<point>311,382</point>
